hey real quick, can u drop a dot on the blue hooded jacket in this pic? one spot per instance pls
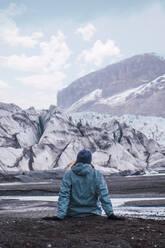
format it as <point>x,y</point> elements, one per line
<point>82,193</point>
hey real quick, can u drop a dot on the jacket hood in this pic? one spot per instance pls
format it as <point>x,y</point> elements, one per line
<point>81,169</point>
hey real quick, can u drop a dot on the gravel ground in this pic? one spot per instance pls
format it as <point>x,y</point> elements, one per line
<point>83,232</point>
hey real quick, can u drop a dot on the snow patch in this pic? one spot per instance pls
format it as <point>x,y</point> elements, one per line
<point>93,96</point>
<point>119,99</point>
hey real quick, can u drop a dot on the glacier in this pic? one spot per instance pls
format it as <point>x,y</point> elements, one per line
<point>37,140</point>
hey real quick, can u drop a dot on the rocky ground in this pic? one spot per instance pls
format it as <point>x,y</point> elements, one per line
<point>20,228</point>
<point>81,232</point>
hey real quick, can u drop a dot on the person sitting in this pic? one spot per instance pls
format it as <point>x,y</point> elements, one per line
<point>83,191</point>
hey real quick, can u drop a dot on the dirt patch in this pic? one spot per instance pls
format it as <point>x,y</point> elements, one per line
<point>91,232</point>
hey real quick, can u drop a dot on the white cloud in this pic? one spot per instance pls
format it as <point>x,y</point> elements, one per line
<point>38,99</point>
<point>48,67</point>
<point>10,33</point>
<point>3,84</point>
<point>13,38</point>
<point>55,53</point>
<point>99,52</point>
<point>87,31</point>
<point>53,57</point>
<point>22,63</point>
<point>44,81</point>
<point>41,100</point>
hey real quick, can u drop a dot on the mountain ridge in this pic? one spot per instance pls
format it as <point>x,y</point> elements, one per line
<point>112,80</point>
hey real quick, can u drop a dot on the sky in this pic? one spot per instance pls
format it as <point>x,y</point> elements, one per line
<point>47,44</point>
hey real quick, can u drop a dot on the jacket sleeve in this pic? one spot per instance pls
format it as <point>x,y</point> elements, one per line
<point>103,194</point>
<point>64,196</point>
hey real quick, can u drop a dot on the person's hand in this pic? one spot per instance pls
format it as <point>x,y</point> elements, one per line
<point>114,217</point>
<point>55,218</point>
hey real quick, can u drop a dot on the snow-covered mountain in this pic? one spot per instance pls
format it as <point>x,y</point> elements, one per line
<point>49,139</point>
<point>144,99</point>
<point>133,86</point>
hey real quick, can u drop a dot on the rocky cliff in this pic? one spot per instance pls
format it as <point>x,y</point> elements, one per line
<point>44,140</point>
<point>133,86</point>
